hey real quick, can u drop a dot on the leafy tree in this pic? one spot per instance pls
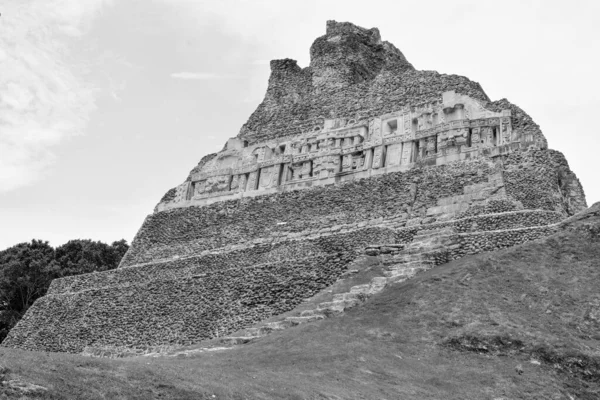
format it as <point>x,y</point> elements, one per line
<point>84,256</point>
<point>27,269</point>
<point>23,278</point>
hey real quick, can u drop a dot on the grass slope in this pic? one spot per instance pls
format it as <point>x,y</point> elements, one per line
<point>523,323</point>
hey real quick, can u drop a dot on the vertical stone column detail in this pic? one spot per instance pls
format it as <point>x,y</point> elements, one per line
<point>252,181</point>
<point>377,157</point>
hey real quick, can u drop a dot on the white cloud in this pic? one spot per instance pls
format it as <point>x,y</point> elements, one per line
<point>199,76</point>
<point>43,98</point>
<point>194,75</point>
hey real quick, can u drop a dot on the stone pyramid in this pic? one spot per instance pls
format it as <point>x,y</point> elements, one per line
<point>357,152</point>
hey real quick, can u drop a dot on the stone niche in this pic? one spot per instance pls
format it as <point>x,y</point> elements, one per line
<point>450,128</point>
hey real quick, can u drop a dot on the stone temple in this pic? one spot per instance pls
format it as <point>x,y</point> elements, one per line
<point>357,152</point>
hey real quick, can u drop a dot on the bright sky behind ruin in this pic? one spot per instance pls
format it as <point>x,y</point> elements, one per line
<point>107,104</point>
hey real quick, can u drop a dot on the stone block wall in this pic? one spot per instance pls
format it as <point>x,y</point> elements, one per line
<point>200,272</point>
<point>491,207</point>
<point>188,231</point>
<point>187,300</point>
<point>474,243</point>
<point>541,179</point>
<point>166,311</point>
<point>536,179</point>
<point>346,243</point>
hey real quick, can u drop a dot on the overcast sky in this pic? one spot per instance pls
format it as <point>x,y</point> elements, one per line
<point>106,104</point>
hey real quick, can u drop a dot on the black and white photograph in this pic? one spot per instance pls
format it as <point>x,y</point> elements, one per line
<point>315,200</point>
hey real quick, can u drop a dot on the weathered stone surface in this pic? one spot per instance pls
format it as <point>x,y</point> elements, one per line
<point>358,152</point>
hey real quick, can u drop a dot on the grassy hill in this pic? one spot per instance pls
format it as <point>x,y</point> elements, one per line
<point>523,323</point>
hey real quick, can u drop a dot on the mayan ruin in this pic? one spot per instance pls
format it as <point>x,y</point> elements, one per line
<point>356,154</point>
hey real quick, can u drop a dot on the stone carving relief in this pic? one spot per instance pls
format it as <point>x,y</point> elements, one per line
<point>358,161</point>
<point>375,128</point>
<point>259,154</point>
<point>296,171</point>
<point>251,185</point>
<point>324,167</point>
<point>199,188</point>
<point>431,145</point>
<point>181,192</point>
<point>235,183</point>
<point>377,157</point>
<point>213,185</point>
<point>506,130</point>
<point>306,169</point>
<point>486,134</point>
<point>475,137</point>
<point>407,123</point>
<point>346,162</point>
<point>243,181</point>
<point>406,153</point>
<point>393,154</point>
<point>268,177</point>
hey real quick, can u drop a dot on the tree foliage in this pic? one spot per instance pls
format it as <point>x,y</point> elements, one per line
<point>27,269</point>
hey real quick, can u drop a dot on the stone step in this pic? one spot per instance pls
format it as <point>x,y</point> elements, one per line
<point>302,320</point>
<point>407,273</point>
<point>277,326</point>
<point>397,279</point>
<point>347,296</point>
<point>360,288</point>
<point>429,240</point>
<point>399,268</point>
<point>418,260</point>
<point>378,283</point>
<point>393,263</point>
<point>308,313</point>
<point>253,332</point>
<point>337,306</point>
<point>407,257</point>
<point>377,280</point>
<point>237,340</point>
<point>262,330</point>
<point>420,244</point>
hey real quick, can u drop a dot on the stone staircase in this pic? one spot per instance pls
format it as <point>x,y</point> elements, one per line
<point>428,249</point>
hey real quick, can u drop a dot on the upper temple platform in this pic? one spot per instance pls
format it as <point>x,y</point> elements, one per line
<point>451,128</point>
<point>359,109</point>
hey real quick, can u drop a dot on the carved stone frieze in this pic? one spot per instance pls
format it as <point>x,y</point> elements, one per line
<point>450,124</point>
